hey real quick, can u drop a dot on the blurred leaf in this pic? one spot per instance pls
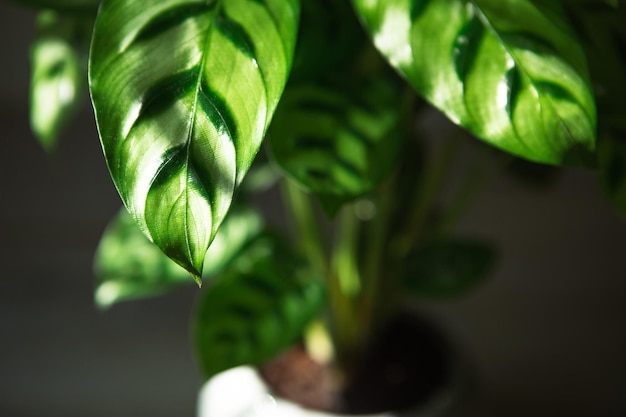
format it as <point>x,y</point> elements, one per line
<point>510,71</point>
<point>258,309</point>
<point>447,268</point>
<point>330,39</point>
<point>128,266</point>
<point>262,176</point>
<point>183,92</point>
<point>59,57</point>
<point>337,140</point>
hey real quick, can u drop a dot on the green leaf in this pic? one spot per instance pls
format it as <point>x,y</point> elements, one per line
<point>128,266</point>
<point>262,176</point>
<point>59,73</point>
<point>338,140</point>
<point>257,310</point>
<point>447,268</point>
<point>183,92</point>
<point>510,71</point>
<point>329,39</point>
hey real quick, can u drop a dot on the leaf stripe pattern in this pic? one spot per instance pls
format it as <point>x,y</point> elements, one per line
<point>510,71</point>
<point>171,18</point>
<point>237,35</point>
<point>466,45</point>
<point>417,8</point>
<point>261,311</point>
<point>183,93</point>
<point>513,84</point>
<point>336,142</point>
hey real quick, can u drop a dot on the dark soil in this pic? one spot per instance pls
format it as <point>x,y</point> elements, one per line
<point>405,368</point>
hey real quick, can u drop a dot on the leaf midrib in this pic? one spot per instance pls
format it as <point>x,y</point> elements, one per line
<point>198,87</point>
<point>189,137</point>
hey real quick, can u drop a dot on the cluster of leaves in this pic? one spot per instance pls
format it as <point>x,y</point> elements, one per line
<point>185,91</point>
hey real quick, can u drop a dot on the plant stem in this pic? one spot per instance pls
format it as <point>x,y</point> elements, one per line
<point>341,274</point>
<point>308,234</point>
<point>425,194</point>
<point>376,255</point>
<point>344,286</point>
<point>309,238</point>
<point>474,181</point>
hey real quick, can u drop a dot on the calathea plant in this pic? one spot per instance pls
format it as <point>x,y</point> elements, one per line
<point>187,92</point>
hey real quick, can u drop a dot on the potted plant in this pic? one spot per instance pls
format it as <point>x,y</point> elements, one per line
<point>186,93</point>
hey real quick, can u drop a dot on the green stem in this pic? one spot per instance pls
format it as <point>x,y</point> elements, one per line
<point>308,233</point>
<point>375,293</point>
<point>341,273</point>
<point>344,286</point>
<point>317,337</point>
<point>425,193</point>
<point>468,192</point>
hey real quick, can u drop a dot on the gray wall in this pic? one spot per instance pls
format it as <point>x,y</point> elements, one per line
<point>546,333</point>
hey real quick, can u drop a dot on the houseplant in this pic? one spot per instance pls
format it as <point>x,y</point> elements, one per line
<point>370,114</point>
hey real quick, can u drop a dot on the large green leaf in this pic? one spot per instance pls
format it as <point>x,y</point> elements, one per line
<point>128,266</point>
<point>59,72</point>
<point>257,310</point>
<point>337,139</point>
<point>510,71</point>
<point>183,92</point>
<point>447,268</point>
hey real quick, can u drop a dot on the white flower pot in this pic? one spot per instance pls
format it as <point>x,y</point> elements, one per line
<point>240,392</point>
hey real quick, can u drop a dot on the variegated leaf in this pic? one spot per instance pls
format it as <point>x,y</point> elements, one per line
<point>128,266</point>
<point>510,71</point>
<point>258,309</point>
<point>337,140</point>
<point>183,92</point>
<point>330,39</point>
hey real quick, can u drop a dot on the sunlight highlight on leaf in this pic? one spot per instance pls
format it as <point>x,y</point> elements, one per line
<point>510,71</point>
<point>183,92</point>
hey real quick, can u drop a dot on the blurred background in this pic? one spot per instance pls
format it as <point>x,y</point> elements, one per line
<point>546,334</point>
